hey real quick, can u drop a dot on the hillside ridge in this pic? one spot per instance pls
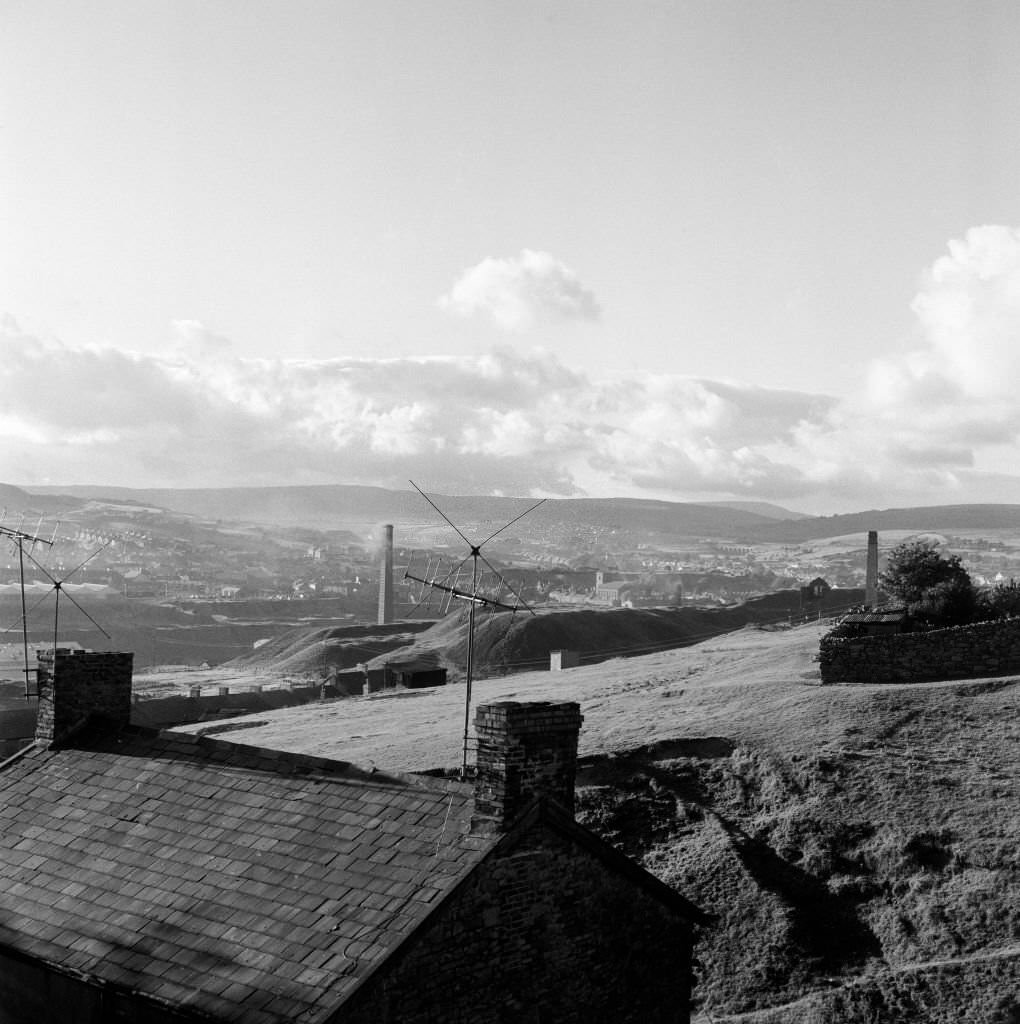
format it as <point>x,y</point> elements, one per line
<point>344,505</point>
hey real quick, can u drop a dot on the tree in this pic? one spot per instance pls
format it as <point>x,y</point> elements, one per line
<point>1002,602</point>
<point>935,589</point>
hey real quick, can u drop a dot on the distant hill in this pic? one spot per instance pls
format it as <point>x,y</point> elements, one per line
<point>761,508</point>
<point>15,500</point>
<point>358,508</point>
<point>351,506</point>
<point>319,507</point>
<point>936,519</point>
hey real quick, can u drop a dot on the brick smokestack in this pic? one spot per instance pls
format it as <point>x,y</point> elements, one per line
<point>76,687</point>
<point>871,571</point>
<point>525,750</point>
<point>386,578</point>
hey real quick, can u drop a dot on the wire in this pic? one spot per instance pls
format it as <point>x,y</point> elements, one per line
<point>511,523</point>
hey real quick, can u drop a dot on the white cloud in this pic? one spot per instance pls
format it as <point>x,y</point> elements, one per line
<point>520,292</point>
<point>504,420</point>
<point>938,422</point>
<point>946,413</point>
<point>969,309</point>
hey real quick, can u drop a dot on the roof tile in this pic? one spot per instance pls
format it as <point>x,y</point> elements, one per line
<point>247,886</point>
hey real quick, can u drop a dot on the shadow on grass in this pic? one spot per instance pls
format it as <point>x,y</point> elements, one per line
<point>826,927</point>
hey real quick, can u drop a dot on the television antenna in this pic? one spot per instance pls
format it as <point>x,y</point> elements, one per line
<point>18,539</point>
<point>56,589</point>
<point>474,599</point>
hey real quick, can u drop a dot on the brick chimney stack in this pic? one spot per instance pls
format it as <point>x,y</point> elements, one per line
<point>871,571</point>
<point>386,578</point>
<point>525,750</point>
<point>76,687</point>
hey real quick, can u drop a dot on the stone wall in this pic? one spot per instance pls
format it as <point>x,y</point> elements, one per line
<point>544,930</point>
<point>962,652</point>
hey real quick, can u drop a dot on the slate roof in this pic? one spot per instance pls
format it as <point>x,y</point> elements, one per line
<point>232,882</point>
<point>890,617</point>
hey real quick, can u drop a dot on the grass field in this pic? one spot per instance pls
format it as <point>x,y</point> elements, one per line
<point>858,846</point>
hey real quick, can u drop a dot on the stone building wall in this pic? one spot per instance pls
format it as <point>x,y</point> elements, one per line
<point>962,652</point>
<point>541,930</point>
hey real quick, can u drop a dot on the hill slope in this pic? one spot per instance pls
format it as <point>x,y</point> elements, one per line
<point>857,845</point>
<point>513,642</point>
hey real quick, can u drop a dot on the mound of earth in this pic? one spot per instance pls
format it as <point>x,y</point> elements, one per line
<point>508,642</point>
<point>313,652</point>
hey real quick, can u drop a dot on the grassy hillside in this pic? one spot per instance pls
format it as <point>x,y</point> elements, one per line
<point>871,877</point>
<point>859,847</point>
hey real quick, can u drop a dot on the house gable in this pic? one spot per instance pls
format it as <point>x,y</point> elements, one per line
<point>546,921</point>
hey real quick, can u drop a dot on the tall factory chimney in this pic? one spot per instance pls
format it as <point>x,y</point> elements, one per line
<point>386,578</point>
<point>871,571</point>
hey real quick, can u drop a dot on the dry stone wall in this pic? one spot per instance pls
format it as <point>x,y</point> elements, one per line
<point>962,652</point>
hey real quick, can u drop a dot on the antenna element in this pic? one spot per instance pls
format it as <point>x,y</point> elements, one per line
<point>474,599</point>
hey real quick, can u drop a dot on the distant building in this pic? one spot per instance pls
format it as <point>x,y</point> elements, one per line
<point>414,673</point>
<point>815,592</point>
<point>612,593</point>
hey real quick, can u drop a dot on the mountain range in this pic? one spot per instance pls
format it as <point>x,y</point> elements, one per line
<point>359,508</point>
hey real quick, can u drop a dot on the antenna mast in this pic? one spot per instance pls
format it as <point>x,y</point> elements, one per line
<point>474,599</point>
<point>18,538</point>
<point>58,589</point>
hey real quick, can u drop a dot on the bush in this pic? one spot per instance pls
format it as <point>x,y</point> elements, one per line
<point>935,589</point>
<point>951,603</point>
<point>1001,602</point>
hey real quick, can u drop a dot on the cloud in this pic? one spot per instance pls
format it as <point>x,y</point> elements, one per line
<point>520,292</point>
<point>969,309</point>
<point>502,421</point>
<point>950,402</point>
<point>937,421</point>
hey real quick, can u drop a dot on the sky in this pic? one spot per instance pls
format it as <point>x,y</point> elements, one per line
<point>764,250</point>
